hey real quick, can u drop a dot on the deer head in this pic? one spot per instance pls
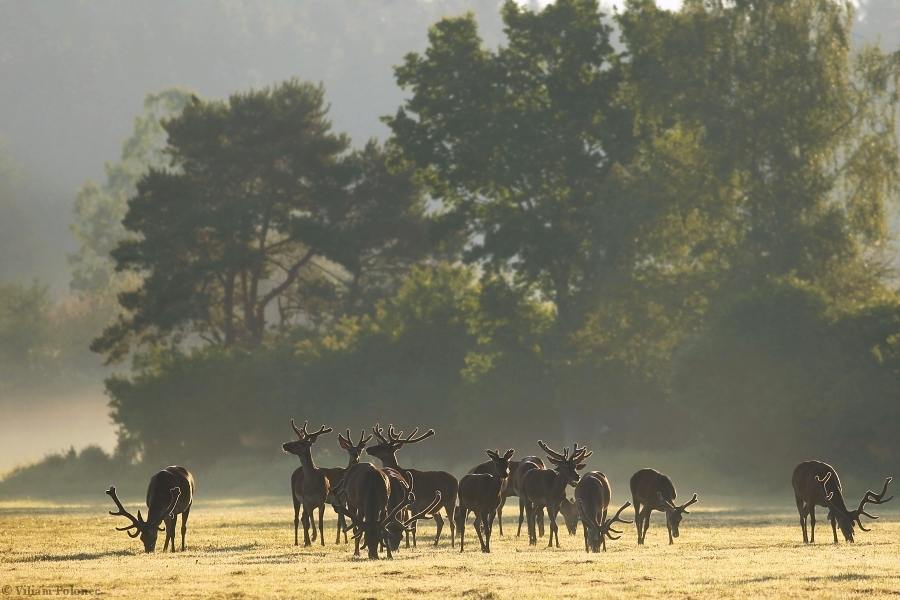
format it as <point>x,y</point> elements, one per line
<point>147,530</point>
<point>387,446</point>
<point>846,519</point>
<point>354,450</point>
<point>674,513</point>
<point>569,512</point>
<point>501,463</point>
<point>305,439</point>
<point>395,525</point>
<point>566,465</point>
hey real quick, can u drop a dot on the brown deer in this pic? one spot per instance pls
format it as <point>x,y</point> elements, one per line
<point>546,488</point>
<point>169,494</point>
<point>336,474</point>
<point>482,493</point>
<point>592,497</point>
<point>510,489</point>
<point>817,484</point>
<point>366,492</point>
<point>651,490</point>
<point>569,511</point>
<point>310,486</point>
<point>520,469</point>
<point>429,482</point>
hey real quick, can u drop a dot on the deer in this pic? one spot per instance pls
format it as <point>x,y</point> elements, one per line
<point>592,497</point>
<point>651,490</point>
<point>364,498</point>
<point>169,494</point>
<point>429,482</point>
<point>816,483</point>
<point>511,488</point>
<point>336,474</point>
<point>569,511</point>
<point>483,494</point>
<point>518,476</point>
<point>547,488</point>
<point>309,486</point>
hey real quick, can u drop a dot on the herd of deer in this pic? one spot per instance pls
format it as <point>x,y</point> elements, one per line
<point>382,504</point>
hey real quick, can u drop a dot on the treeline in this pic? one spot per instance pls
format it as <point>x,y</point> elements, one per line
<point>678,245</point>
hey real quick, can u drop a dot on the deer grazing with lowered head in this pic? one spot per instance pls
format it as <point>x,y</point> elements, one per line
<point>310,486</point>
<point>651,490</point>
<point>816,483</point>
<point>592,497</point>
<point>427,482</point>
<point>482,493</point>
<point>169,494</point>
<point>364,498</point>
<point>547,488</point>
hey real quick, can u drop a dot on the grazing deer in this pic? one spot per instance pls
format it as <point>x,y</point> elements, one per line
<point>311,485</point>
<point>546,488</point>
<point>482,493</point>
<point>592,497</point>
<point>817,484</point>
<point>570,514</point>
<point>169,494</point>
<point>429,482</point>
<point>366,491</point>
<point>651,490</point>
<point>520,469</point>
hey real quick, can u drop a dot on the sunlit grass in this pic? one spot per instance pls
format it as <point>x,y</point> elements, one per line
<point>241,550</point>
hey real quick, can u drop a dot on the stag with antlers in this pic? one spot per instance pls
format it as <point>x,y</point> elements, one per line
<point>169,494</point>
<point>546,488</point>
<point>336,474</point>
<point>512,488</point>
<point>651,490</point>
<point>482,493</point>
<point>311,485</point>
<point>592,497</point>
<point>429,482</point>
<point>364,498</point>
<point>817,484</point>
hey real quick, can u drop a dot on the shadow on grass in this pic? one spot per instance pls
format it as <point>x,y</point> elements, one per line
<point>841,577</point>
<point>72,557</point>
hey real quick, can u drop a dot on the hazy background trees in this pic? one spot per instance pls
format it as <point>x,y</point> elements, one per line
<point>663,233</point>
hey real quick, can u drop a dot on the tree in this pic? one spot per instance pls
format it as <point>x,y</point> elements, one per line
<point>99,209</point>
<point>259,200</point>
<point>799,132</point>
<point>524,147</point>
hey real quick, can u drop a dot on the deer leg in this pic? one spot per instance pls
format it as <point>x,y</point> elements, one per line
<point>539,516</point>
<point>450,509</point>
<point>833,520</point>
<point>521,514</point>
<point>479,522</point>
<point>554,529</point>
<point>801,509</point>
<point>646,519</point>
<point>637,517</point>
<point>669,528</point>
<point>490,529</point>
<point>340,527</point>
<point>461,525</point>
<point>296,519</point>
<point>307,515</point>
<point>184,518</point>
<point>321,518</point>
<point>812,524</point>
<point>439,523</point>
<point>529,515</point>
<point>500,515</point>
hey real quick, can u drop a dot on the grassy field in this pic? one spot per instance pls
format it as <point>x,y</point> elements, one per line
<point>245,550</point>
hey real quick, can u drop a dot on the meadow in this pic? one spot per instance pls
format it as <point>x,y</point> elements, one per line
<point>244,549</point>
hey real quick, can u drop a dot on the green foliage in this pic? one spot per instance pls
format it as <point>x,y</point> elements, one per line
<point>262,205</point>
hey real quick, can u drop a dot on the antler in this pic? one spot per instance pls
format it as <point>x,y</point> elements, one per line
<point>304,435</point>
<point>553,454</point>
<point>606,527</point>
<point>301,433</point>
<point>397,439</point>
<point>379,433</point>
<point>135,523</point>
<point>579,454</point>
<point>688,503</point>
<point>871,497</point>
<point>363,438</point>
<point>424,512</point>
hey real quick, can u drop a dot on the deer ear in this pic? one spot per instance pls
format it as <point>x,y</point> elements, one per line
<point>491,453</point>
<point>344,444</point>
<point>509,454</point>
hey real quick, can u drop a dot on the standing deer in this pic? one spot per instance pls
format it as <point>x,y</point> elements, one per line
<point>511,488</point>
<point>592,497</point>
<point>169,494</point>
<point>651,490</point>
<point>546,488</point>
<point>428,482</point>
<point>311,485</point>
<point>521,469</point>
<point>336,474</point>
<point>366,491</point>
<point>482,493</point>
<point>817,484</point>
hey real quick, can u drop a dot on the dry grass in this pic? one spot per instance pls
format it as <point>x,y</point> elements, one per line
<point>245,550</point>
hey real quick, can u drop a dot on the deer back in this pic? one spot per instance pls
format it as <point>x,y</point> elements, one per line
<point>518,471</point>
<point>159,494</point>
<point>480,490</point>
<point>808,486</point>
<point>429,482</point>
<point>592,494</point>
<point>646,484</point>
